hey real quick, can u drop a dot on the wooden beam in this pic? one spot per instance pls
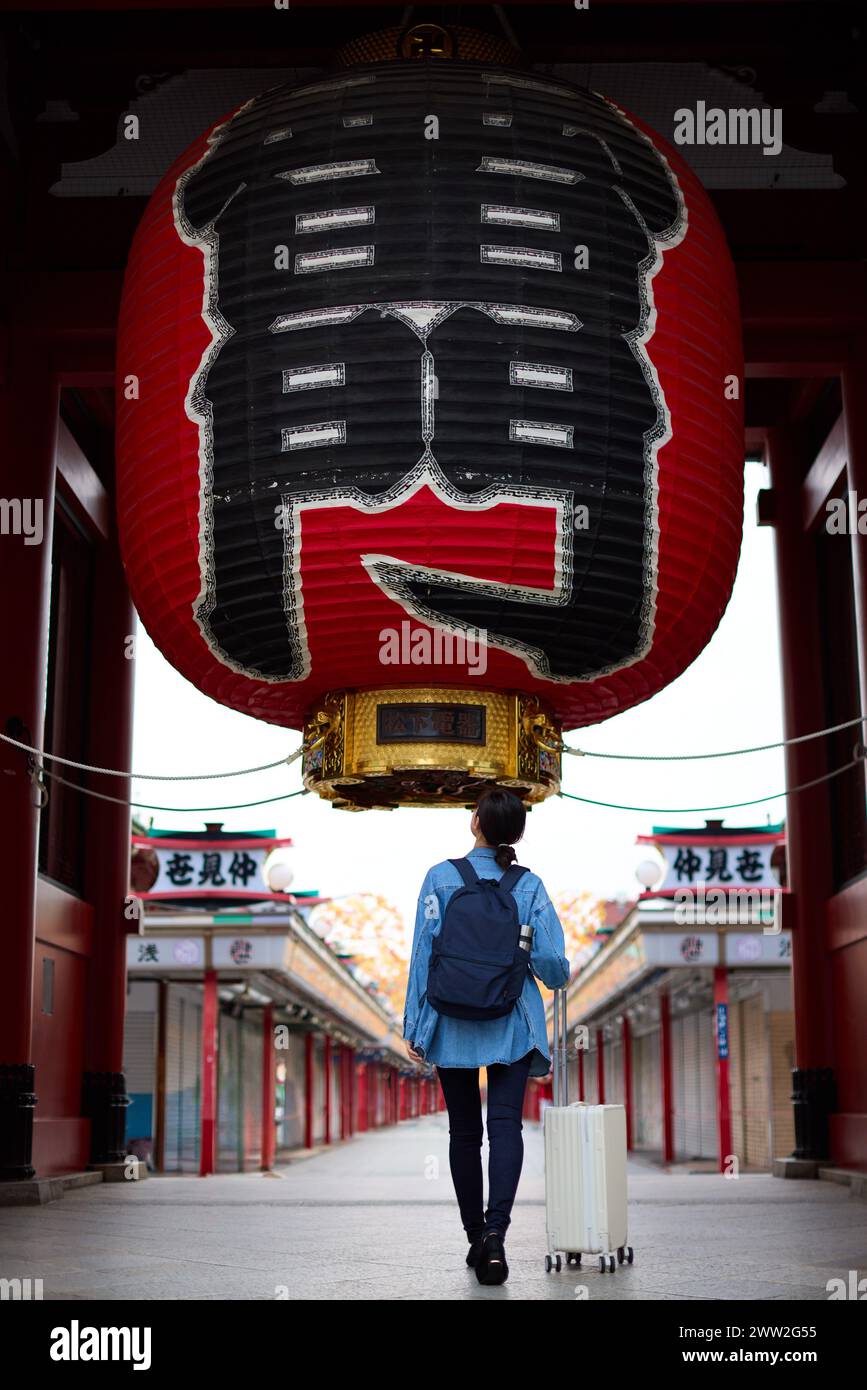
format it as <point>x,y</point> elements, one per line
<point>815,297</point>
<point>80,486</point>
<point>785,355</point>
<point>824,475</point>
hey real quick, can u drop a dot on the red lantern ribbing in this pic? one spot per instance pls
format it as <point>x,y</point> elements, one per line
<point>430,438</point>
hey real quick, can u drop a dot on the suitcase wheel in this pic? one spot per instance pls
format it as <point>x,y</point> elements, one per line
<point>625,1252</point>
<point>558,1263</point>
<point>607,1262</point>
<point>548,1264</point>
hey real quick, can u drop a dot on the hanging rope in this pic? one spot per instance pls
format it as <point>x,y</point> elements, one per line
<point>152,776</point>
<point>729,753</point>
<point>292,757</point>
<point>175,810</point>
<point>728,806</point>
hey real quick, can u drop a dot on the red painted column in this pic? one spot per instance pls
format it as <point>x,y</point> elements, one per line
<point>106,881</point>
<point>600,1067</point>
<point>328,1088</point>
<point>352,1100</point>
<point>808,821</point>
<point>627,1079</point>
<point>208,1117</point>
<point>308,1090</point>
<point>29,402</point>
<point>362,1097</point>
<point>269,1126</point>
<point>665,1068</point>
<point>723,1097</point>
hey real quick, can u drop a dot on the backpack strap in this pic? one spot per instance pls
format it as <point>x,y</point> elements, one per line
<point>511,876</point>
<point>466,871</point>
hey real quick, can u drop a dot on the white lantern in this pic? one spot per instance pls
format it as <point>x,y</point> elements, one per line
<point>649,872</point>
<point>279,875</point>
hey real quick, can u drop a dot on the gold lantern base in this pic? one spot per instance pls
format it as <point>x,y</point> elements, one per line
<point>429,746</point>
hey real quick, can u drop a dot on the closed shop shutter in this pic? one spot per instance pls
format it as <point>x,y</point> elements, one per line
<point>646,1114</point>
<point>139,1063</point>
<point>183,1078</point>
<point>229,1096</point>
<point>691,1088</point>
<point>754,1083</point>
<point>290,1131</point>
<point>336,1091</point>
<point>590,1092</point>
<point>251,1037</point>
<point>614,1074</point>
<point>318,1089</point>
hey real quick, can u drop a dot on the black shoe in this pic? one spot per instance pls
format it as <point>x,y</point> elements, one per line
<point>474,1251</point>
<point>491,1266</point>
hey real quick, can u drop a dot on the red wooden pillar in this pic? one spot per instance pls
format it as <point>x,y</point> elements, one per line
<point>361,1074</point>
<point>208,1116</point>
<point>665,1068</point>
<point>308,1090</point>
<point>106,882</point>
<point>401,1098</point>
<point>627,1079</point>
<point>808,843</point>
<point>721,1038</point>
<point>351,1100</point>
<point>328,1088</point>
<point>269,1128</point>
<point>29,403</point>
<point>600,1067</point>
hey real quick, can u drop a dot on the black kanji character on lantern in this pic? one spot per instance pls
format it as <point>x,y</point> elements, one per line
<point>749,865</point>
<point>686,864</point>
<point>372,352</point>
<point>148,953</point>
<point>717,864</point>
<point>242,869</point>
<point>179,869</point>
<point>211,869</point>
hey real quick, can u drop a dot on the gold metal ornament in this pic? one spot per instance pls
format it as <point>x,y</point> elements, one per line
<point>429,746</point>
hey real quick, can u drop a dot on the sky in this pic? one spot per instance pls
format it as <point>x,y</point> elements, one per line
<point>728,698</point>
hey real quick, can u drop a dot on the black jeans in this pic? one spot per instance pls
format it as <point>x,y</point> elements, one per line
<point>506,1087</point>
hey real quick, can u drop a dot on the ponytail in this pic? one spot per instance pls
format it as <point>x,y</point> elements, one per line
<point>502,817</point>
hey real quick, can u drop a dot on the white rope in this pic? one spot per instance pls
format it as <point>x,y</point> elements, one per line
<point>730,753</point>
<point>151,776</point>
<point>173,810</point>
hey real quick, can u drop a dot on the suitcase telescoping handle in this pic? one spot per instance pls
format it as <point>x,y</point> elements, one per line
<point>561,1079</point>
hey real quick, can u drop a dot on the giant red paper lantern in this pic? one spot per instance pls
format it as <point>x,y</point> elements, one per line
<point>429,350</point>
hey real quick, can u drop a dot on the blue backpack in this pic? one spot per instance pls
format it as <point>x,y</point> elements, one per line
<point>477,966</point>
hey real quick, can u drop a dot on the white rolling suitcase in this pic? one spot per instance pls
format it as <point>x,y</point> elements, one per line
<point>585,1171</point>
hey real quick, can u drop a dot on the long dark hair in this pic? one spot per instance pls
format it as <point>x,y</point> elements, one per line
<point>502,817</point>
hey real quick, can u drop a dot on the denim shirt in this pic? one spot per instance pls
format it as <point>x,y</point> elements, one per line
<point>463,1042</point>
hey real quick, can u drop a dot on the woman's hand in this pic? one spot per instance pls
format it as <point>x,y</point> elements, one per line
<point>411,1052</point>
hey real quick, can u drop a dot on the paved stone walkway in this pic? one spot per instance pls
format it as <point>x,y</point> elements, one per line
<point>375,1218</point>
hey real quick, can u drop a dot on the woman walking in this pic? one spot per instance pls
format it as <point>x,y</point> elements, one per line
<point>513,1046</point>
